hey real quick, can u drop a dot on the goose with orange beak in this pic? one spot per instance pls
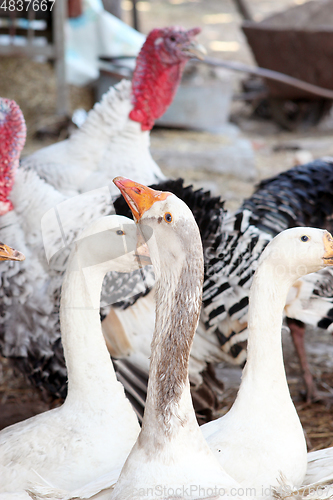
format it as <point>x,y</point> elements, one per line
<point>92,433</point>
<point>8,253</point>
<point>170,450</point>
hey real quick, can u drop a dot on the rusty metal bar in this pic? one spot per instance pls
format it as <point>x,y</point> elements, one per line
<point>272,75</point>
<point>135,16</point>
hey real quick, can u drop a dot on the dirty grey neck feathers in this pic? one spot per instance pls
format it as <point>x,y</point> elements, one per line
<point>178,303</point>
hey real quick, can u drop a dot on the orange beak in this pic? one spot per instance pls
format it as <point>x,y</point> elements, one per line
<point>8,253</point>
<point>138,197</point>
<point>328,244</point>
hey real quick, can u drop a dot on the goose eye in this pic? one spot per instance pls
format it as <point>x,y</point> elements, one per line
<point>120,232</point>
<point>172,38</point>
<point>305,238</point>
<point>168,217</point>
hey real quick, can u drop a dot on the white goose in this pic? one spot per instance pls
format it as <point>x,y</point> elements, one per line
<point>170,453</point>
<point>95,429</point>
<point>261,436</point>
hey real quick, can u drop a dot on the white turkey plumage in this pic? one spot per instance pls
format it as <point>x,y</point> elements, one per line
<point>114,139</point>
<point>108,142</point>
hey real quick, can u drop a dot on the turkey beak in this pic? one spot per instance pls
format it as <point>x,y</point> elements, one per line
<point>138,197</point>
<point>142,251</point>
<point>194,49</point>
<point>328,245</point>
<point>8,253</point>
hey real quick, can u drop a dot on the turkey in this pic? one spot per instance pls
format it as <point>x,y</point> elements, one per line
<point>43,223</point>
<point>114,139</point>
<point>233,244</point>
<point>29,324</point>
<point>132,320</point>
<point>299,197</point>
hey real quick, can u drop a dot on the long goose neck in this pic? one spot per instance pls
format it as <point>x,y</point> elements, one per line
<point>90,370</point>
<point>178,302</point>
<point>265,366</point>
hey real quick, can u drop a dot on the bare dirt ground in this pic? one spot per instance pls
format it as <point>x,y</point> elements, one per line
<point>33,86</point>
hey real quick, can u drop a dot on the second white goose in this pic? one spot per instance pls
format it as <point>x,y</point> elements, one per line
<point>95,429</point>
<point>261,436</point>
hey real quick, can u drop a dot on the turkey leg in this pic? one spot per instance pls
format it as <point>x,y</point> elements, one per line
<point>297,330</point>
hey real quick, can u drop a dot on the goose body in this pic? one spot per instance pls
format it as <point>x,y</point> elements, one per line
<point>261,436</point>
<point>94,430</point>
<point>301,196</point>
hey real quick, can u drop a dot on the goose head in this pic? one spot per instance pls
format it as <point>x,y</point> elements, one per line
<point>8,253</point>
<point>167,225</point>
<point>112,238</point>
<point>299,251</point>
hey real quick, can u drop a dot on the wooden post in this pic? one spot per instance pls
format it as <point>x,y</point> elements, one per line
<point>243,9</point>
<point>136,24</point>
<point>59,19</point>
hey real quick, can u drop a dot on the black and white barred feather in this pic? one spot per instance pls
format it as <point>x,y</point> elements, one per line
<point>301,196</point>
